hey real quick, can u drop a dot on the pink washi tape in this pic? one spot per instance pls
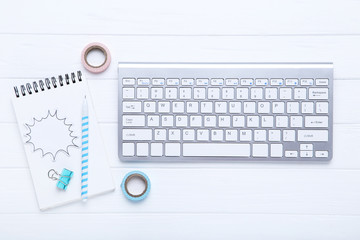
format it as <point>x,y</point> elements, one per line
<point>103,49</point>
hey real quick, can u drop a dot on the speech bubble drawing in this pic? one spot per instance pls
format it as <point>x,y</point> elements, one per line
<point>51,135</point>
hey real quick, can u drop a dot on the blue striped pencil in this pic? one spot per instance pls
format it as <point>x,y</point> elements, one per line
<point>84,151</point>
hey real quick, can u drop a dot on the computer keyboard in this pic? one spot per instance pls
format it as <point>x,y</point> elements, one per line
<point>215,111</point>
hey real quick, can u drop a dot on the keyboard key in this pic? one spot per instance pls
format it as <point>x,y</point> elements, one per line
<point>256,93</point>
<point>164,107</point>
<point>171,93</point>
<point>142,149</point>
<point>185,93</point>
<point>156,93</point>
<point>220,107</point>
<point>322,81</point>
<point>234,107</point>
<point>172,81</point>
<point>133,120</point>
<point>188,134</point>
<point>131,107</point>
<point>247,82</point>
<point>245,135</point>
<point>156,149</point>
<point>216,149</point>
<point>249,107</point>
<point>260,150</point>
<point>321,154</point>
<point>271,93</point>
<point>224,121</point>
<point>153,120</point>
<point>276,82</point>
<point>137,134</point>
<point>187,81</point>
<point>128,93</point>
<point>199,93</point>
<point>202,135</point>
<point>292,107</point>
<point>238,121</point>
<point>318,93</point>
<point>278,107</point>
<point>307,107</point>
<point>196,121</point>
<point>210,121</point>
<point>142,93</point>
<point>160,134</point>
<point>296,121</point>
<point>306,147</point>
<point>206,107</point>
<point>228,93</point>
<point>322,107</point>
<point>181,121</point>
<point>242,93</point>
<point>128,149</point>
<point>274,135</point>
<point>167,120</point>
<point>192,107</point>
<point>143,81</point>
<point>306,154</point>
<point>313,135</point>
<point>291,154</point>
<point>174,135</point>
<point>217,81</point>
<point>178,107</point>
<point>260,135</point>
<point>217,135</point>
<point>172,149</point>
<point>202,82</point>
<point>261,82</point>
<point>281,121</point>
<point>276,150</point>
<point>231,135</point>
<point>316,121</point>
<point>232,81</point>
<point>289,135</point>
<point>300,93</point>
<point>158,81</point>
<point>214,93</point>
<point>149,107</point>
<point>292,82</point>
<point>128,81</point>
<point>307,82</point>
<point>285,93</point>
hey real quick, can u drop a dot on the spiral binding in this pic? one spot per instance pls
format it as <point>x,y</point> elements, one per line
<point>47,83</point>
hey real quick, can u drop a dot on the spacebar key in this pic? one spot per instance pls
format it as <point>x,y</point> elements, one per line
<point>216,150</point>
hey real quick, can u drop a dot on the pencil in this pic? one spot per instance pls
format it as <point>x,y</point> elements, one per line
<point>85,151</point>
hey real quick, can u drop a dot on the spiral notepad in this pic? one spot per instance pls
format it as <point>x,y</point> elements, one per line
<point>49,118</point>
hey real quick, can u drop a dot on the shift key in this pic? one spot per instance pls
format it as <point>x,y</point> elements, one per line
<point>137,134</point>
<point>313,135</point>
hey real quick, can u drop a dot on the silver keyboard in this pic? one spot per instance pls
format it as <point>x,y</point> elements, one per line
<point>211,111</point>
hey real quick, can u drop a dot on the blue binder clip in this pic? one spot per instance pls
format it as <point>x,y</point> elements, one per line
<point>63,178</point>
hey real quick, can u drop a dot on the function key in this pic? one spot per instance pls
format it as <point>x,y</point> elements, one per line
<point>262,81</point>
<point>276,82</point>
<point>322,81</point>
<point>143,81</point>
<point>128,81</point>
<point>158,81</point>
<point>173,81</point>
<point>307,82</point>
<point>217,81</point>
<point>292,82</point>
<point>232,81</point>
<point>187,81</point>
<point>202,81</point>
<point>247,82</point>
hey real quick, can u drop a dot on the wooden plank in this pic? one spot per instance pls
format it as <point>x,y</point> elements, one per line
<point>185,17</point>
<point>178,190</point>
<point>178,226</point>
<point>346,149</point>
<point>104,93</point>
<point>20,56</point>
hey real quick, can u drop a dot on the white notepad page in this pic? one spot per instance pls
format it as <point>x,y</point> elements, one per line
<point>50,141</point>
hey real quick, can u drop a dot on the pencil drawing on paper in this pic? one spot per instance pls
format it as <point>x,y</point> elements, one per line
<point>51,135</point>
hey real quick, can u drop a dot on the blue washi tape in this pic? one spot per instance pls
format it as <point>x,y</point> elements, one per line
<point>126,180</point>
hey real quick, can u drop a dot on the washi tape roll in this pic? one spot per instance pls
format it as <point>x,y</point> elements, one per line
<point>126,180</point>
<point>103,49</point>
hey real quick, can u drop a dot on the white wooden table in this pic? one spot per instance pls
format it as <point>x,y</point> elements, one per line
<point>188,201</point>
